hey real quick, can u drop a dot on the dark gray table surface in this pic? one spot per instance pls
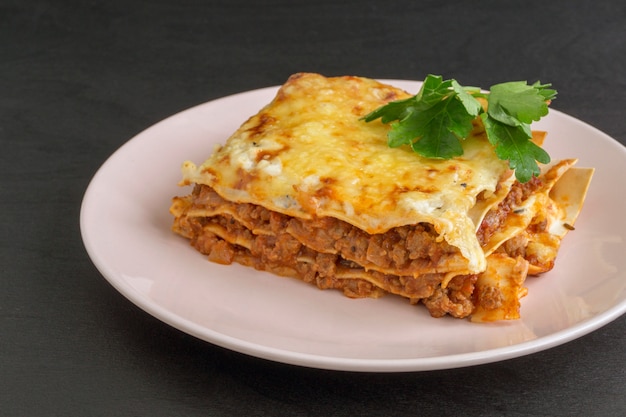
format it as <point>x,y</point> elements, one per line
<point>78,79</point>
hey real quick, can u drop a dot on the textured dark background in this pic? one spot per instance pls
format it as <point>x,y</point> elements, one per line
<point>79,78</point>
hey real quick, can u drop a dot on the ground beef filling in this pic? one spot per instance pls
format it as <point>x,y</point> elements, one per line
<point>327,252</point>
<point>494,219</point>
<point>406,250</point>
<point>519,245</point>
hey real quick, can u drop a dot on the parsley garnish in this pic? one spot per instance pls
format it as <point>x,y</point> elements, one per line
<point>440,115</point>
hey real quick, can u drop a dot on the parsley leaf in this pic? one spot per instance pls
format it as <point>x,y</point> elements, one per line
<point>472,105</point>
<point>517,102</point>
<point>434,130</point>
<point>435,121</point>
<point>512,143</point>
<point>394,110</point>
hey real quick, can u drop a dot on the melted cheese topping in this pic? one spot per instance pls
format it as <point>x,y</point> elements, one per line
<point>308,153</point>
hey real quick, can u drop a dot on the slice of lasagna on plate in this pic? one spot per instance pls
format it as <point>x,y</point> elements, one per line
<point>306,189</point>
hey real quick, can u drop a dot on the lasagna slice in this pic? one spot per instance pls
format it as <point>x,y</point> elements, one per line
<point>306,189</point>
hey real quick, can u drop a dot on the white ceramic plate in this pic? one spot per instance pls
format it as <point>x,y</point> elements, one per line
<point>125,226</point>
